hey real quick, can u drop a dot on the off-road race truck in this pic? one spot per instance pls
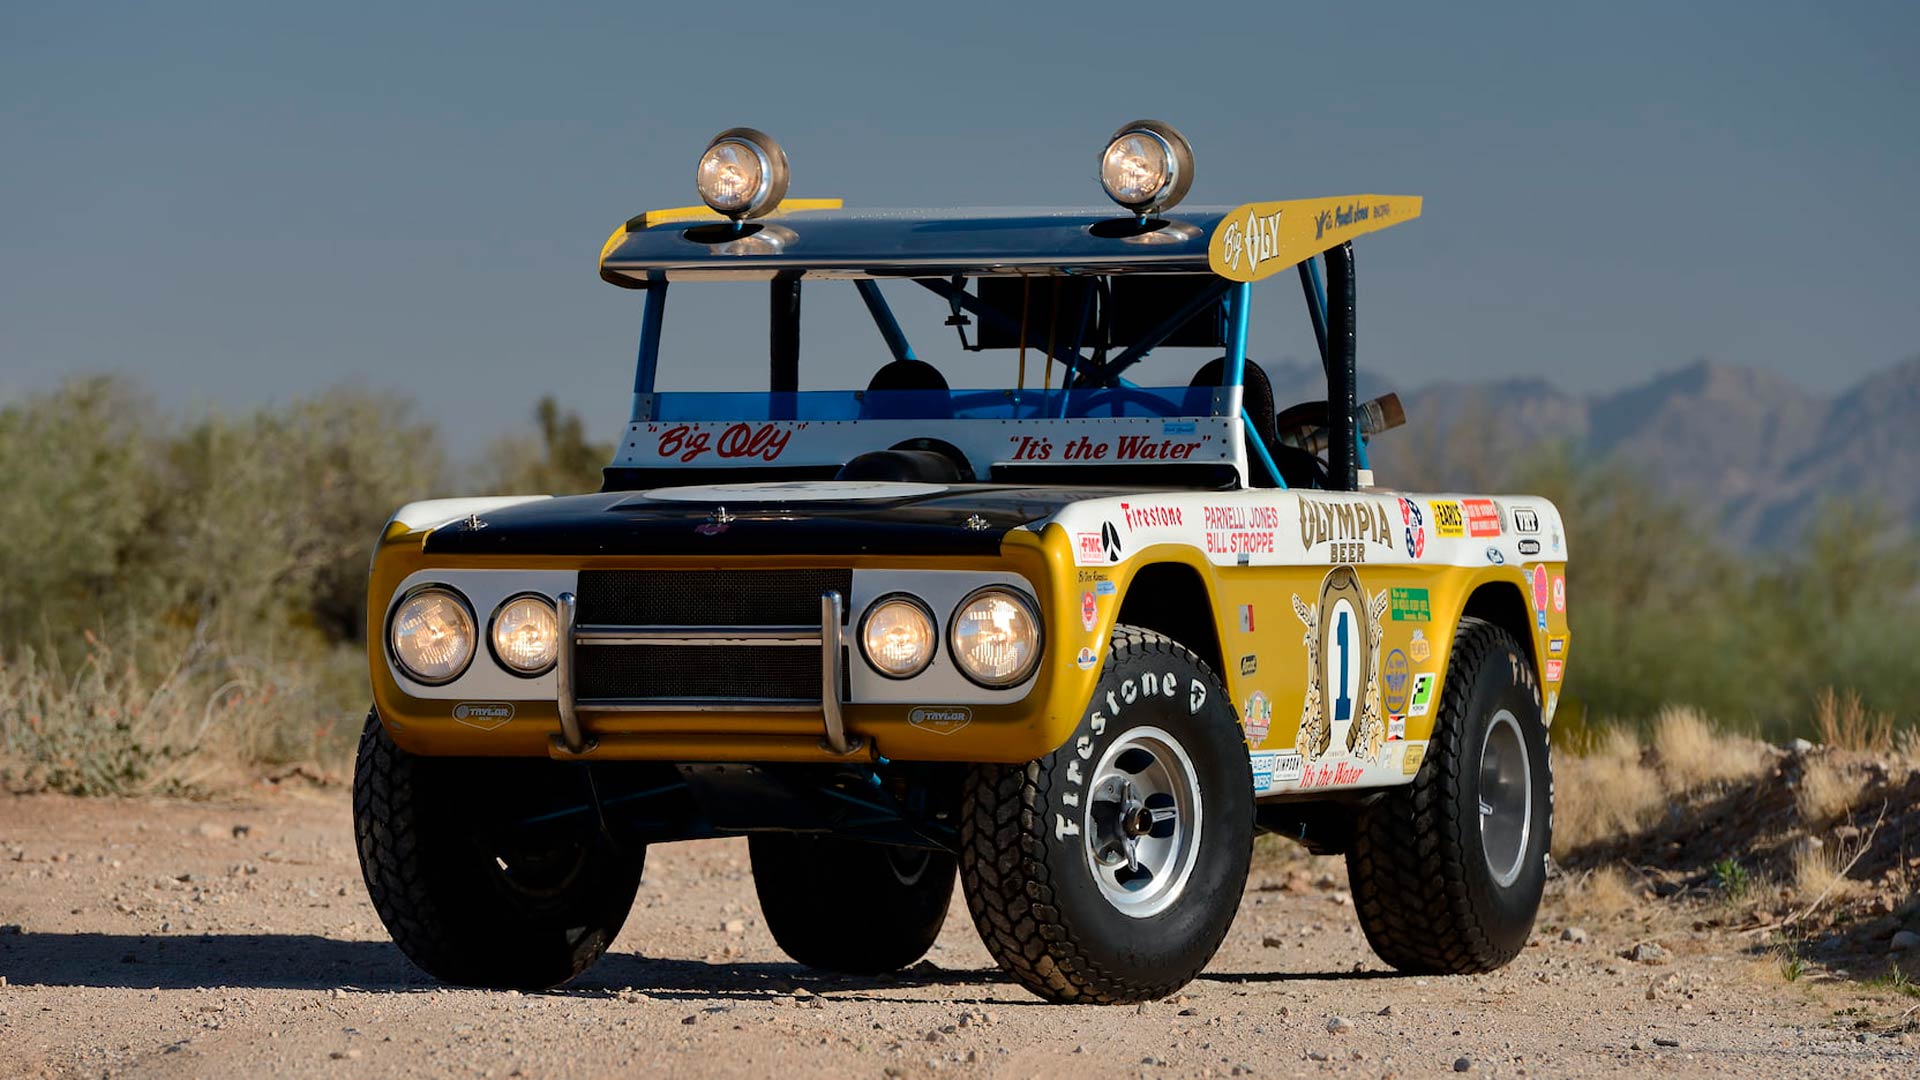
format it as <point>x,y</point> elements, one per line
<point>1073,643</point>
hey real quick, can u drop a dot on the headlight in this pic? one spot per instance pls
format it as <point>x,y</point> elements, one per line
<point>995,636</point>
<point>743,174</point>
<point>897,637</point>
<point>1147,166</point>
<point>431,634</point>
<point>526,635</point>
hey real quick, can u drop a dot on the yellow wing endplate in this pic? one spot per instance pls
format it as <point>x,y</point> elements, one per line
<point>1265,238</point>
<point>692,214</point>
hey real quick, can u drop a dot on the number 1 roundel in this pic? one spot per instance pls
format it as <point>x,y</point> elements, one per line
<point>1344,656</point>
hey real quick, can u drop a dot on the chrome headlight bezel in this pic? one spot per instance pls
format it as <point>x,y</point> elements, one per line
<point>493,622</point>
<point>933,634</point>
<point>472,625</point>
<point>772,160</point>
<point>1178,155</point>
<point>1032,611</point>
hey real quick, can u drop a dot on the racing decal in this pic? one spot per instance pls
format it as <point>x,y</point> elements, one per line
<point>1344,527</point>
<point>1525,520</point>
<point>1110,541</point>
<point>1088,550</point>
<point>1554,667</point>
<point>1258,239</point>
<point>1422,698</point>
<point>1246,618</point>
<point>1257,717</point>
<point>1145,517</point>
<point>1249,664</point>
<point>1332,774</point>
<point>1529,546</point>
<point>1540,589</point>
<point>944,720</point>
<point>1420,648</point>
<point>1274,770</point>
<point>1410,605</point>
<point>1342,703</point>
<point>1556,646</point>
<point>1083,449</point>
<point>1396,727</point>
<point>1262,770</point>
<point>1483,518</point>
<point>1087,659</point>
<point>1240,530</point>
<point>1559,593</point>
<point>1411,757</point>
<point>1398,676</point>
<point>1089,610</point>
<point>1448,521</point>
<point>688,443</point>
<point>1414,528</point>
<point>485,715</point>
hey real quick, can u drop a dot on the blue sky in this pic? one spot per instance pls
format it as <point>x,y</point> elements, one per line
<point>239,203</point>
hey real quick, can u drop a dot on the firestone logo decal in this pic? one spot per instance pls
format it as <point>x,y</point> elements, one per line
<point>1142,517</point>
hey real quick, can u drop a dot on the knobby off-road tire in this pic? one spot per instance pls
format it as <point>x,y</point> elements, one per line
<point>1446,880</point>
<point>440,886</point>
<point>1043,856</point>
<point>846,905</point>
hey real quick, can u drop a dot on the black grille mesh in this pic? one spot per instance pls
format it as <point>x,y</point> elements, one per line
<point>708,597</point>
<point>697,671</point>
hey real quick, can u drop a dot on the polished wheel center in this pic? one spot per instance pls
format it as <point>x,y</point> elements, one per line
<point>1506,798</point>
<point>1143,821</point>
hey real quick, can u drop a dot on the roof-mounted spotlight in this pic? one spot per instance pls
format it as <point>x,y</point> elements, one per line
<point>743,173</point>
<point>1147,166</point>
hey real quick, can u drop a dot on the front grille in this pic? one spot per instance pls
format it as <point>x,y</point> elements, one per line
<point>737,672</point>
<point>708,597</point>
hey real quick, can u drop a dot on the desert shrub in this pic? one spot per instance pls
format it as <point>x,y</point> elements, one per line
<point>1606,792</point>
<point>1825,791</point>
<point>1692,752</point>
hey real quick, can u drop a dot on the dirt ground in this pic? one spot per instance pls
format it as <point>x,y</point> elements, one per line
<point>159,938</point>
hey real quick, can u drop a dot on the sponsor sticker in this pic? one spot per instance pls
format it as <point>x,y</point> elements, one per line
<point>1559,592</point>
<point>1422,698</point>
<point>1179,427</point>
<point>1087,550</point>
<point>1146,517</point>
<point>1554,668</point>
<point>1540,620</point>
<point>1420,648</point>
<point>485,715</point>
<point>944,720</point>
<point>1287,767</point>
<point>1494,556</point>
<point>1089,610</point>
<point>1448,521</point>
<point>1104,587</point>
<point>1411,758</point>
<point>1525,520</point>
<point>1258,717</point>
<point>1413,528</point>
<point>1396,726</point>
<point>1332,774</point>
<point>1249,664</point>
<point>1409,605</point>
<point>1541,588</point>
<point>1529,546</point>
<point>1246,618</point>
<point>1397,674</point>
<point>1557,645</point>
<point>1110,541</point>
<point>1087,659</point>
<point>1263,770</point>
<point>1346,527</point>
<point>1483,518</point>
<point>1240,529</point>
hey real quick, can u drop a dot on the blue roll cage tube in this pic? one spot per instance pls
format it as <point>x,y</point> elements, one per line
<point>1333,332</point>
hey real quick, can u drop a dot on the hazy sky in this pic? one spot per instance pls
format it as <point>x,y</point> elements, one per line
<point>244,202</point>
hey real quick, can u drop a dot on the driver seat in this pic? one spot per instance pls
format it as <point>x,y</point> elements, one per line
<point>1297,467</point>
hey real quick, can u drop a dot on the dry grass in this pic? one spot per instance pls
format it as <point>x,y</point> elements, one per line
<point>1816,872</point>
<point>1693,753</point>
<point>1845,724</point>
<point>1825,791</point>
<point>1605,792</point>
<point>1603,894</point>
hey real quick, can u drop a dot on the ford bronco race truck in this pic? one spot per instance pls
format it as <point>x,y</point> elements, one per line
<point>1069,639</point>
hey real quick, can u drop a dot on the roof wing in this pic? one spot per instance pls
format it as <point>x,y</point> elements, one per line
<point>1259,239</point>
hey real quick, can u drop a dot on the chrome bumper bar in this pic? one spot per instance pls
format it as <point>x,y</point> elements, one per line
<point>827,637</point>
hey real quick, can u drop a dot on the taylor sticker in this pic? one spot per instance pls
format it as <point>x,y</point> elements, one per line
<point>485,715</point>
<point>941,721</point>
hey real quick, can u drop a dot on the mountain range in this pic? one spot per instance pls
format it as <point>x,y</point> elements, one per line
<point>1753,453</point>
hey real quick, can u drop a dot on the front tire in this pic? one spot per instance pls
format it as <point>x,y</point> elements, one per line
<point>850,906</point>
<point>1447,872</point>
<point>469,899</point>
<point>1110,870</point>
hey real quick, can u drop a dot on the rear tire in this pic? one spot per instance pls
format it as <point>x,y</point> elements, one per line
<point>468,901</point>
<point>1110,870</point>
<point>1447,871</point>
<point>847,905</point>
